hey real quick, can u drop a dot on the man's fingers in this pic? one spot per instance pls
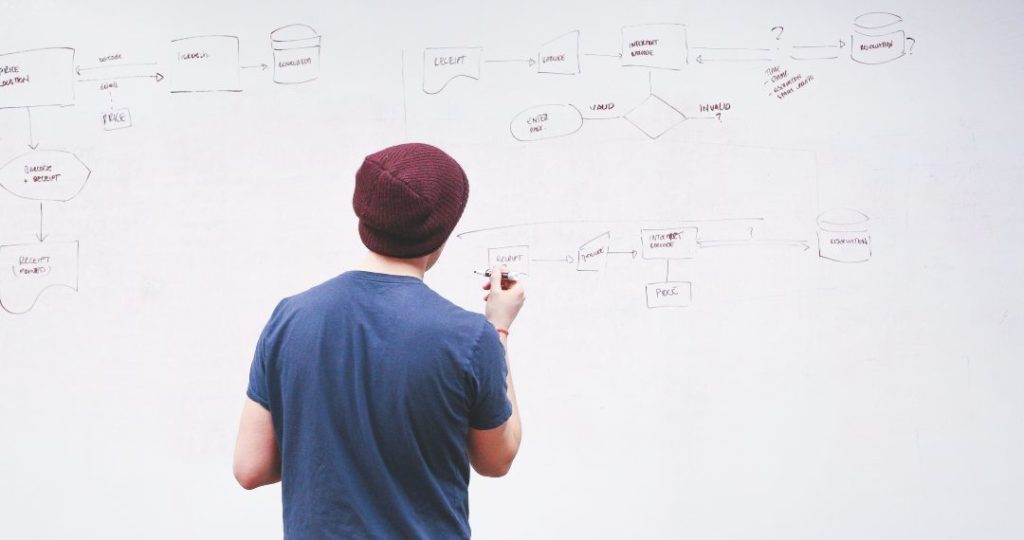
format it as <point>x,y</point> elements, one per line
<point>496,277</point>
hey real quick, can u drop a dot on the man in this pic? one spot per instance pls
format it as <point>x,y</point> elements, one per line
<point>370,395</point>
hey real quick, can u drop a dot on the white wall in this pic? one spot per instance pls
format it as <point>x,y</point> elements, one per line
<point>794,397</point>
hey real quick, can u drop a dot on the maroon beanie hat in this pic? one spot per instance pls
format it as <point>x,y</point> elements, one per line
<point>408,199</point>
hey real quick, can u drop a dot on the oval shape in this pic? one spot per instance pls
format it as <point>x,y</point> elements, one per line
<point>545,122</point>
<point>843,220</point>
<point>877,20</point>
<point>45,175</point>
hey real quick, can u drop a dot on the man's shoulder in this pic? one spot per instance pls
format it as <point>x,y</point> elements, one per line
<point>426,306</point>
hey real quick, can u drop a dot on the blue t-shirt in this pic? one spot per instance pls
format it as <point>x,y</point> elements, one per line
<point>373,381</point>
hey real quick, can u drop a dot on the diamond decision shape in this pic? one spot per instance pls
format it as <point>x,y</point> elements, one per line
<point>654,117</point>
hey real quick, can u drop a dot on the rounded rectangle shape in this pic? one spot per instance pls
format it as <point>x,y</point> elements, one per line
<point>546,122</point>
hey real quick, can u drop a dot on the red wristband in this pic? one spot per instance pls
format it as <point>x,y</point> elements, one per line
<point>502,331</point>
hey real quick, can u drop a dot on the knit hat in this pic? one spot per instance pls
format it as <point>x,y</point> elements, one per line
<point>408,199</point>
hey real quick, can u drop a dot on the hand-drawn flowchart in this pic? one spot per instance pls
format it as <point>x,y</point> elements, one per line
<point>842,234</point>
<point>51,77</point>
<point>875,38</point>
<point>843,237</point>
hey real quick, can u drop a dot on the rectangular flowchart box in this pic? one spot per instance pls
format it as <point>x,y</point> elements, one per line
<point>669,294</point>
<point>516,258</point>
<point>206,64</point>
<point>37,78</point>
<point>674,243</point>
<point>661,46</point>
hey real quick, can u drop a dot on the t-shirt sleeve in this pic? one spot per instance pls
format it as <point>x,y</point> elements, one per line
<point>490,407</point>
<point>257,390</point>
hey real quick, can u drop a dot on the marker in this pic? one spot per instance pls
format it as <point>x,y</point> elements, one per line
<point>507,276</point>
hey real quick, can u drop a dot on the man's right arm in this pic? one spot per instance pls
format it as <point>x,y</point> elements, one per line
<point>491,451</point>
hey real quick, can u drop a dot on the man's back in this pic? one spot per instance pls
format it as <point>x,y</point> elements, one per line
<point>373,381</point>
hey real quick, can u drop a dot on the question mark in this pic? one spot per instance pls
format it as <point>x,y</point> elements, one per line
<point>780,29</point>
<point>912,43</point>
<point>719,115</point>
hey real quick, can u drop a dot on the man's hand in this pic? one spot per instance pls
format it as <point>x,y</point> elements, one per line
<point>504,298</point>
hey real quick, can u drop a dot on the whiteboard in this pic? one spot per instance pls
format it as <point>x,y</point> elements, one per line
<point>774,279</point>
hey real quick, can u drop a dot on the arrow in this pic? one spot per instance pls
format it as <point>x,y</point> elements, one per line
<point>80,69</point>
<point>604,55</point>
<point>633,253</point>
<point>701,59</point>
<point>729,49</point>
<point>262,67</point>
<point>840,46</point>
<point>531,61</point>
<point>820,58</point>
<point>463,234</point>
<point>568,259</point>
<point>754,243</point>
<point>31,137</point>
<point>158,76</point>
<point>41,237</point>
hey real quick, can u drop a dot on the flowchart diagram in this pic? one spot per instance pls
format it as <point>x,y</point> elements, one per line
<point>842,237</point>
<point>657,50</point>
<point>51,77</point>
<point>873,38</point>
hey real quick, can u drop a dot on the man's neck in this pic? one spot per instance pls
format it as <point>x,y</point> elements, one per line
<point>382,264</point>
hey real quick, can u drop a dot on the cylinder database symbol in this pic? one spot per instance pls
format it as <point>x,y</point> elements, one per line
<point>296,54</point>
